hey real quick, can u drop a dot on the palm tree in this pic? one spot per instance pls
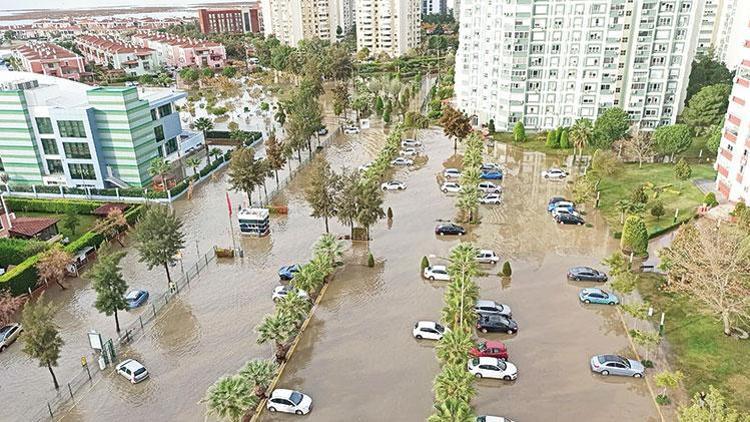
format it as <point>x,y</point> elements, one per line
<point>260,374</point>
<point>454,382</point>
<point>230,398</point>
<point>311,276</point>
<point>463,261</point>
<point>193,162</point>
<point>293,307</point>
<point>369,205</point>
<point>467,203</point>
<point>452,410</point>
<point>581,134</point>
<point>454,347</point>
<point>460,296</point>
<point>327,246</point>
<point>215,153</point>
<point>278,329</point>
<point>204,124</point>
<point>159,167</point>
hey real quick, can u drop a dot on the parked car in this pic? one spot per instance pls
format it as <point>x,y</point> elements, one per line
<point>487,418</point>
<point>492,368</point>
<point>9,334</point>
<point>490,307</point>
<point>487,256</point>
<point>401,161</point>
<point>411,143</point>
<point>617,365</point>
<point>552,204</point>
<point>289,401</point>
<point>593,295</point>
<point>132,370</point>
<point>450,187</point>
<point>451,173</point>
<point>351,130</point>
<point>408,152</point>
<point>491,199</point>
<point>279,292</point>
<point>554,173</point>
<point>393,185</point>
<point>586,274</point>
<point>136,298</point>
<point>436,272</point>
<point>490,166</point>
<point>429,330</point>
<point>287,272</point>
<point>564,208</point>
<point>490,349</point>
<point>449,228</point>
<point>569,219</point>
<point>323,131</point>
<point>497,324</point>
<point>489,187</point>
<point>365,166</point>
<point>491,175</point>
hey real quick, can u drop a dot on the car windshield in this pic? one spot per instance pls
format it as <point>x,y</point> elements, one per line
<point>139,371</point>
<point>132,295</point>
<point>501,364</point>
<point>475,361</point>
<point>482,346</point>
<point>295,397</point>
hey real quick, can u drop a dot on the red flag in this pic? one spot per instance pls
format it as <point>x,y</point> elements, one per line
<point>229,204</point>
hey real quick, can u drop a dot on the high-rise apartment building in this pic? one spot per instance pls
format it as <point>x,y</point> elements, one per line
<point>294,20</point>
<point>231,20</point>
<point>732,159</point>
<point>434,7</point>
<point>388,26</point>
<point>550,62</point>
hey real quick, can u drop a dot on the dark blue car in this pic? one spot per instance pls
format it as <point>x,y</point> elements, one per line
<point>492,175</point>
<point>136,298</point>
<point>287,273</point>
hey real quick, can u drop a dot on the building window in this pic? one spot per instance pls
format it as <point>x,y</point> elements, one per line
<point>49,146</point>
<point>159,133</point>
<point>76,150</point>
<point>44,125</point>
<point>71,129</point>
<point>153,115</point>
<point>55,166</point>
<point>165,110</point>
<point>171,146</point>
<point>82,171</point>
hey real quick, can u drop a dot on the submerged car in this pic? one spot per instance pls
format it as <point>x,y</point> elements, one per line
<point>489,187</point>
<point>411,143</point>
<point>490,166</point>
<point>287,272</point>
<point>492,368</point>
<point>9,334</point>
<point>491,349</point>
<point>554,173</point>
<point>279,292</point>
<point>555,200</point>
<point>569,219</point>
<point>132,370</point>
<point>401,161</point>
<point>487,418</point>
<point>617,365</point>
<point>351,130</point>
<point>393,185</point>
<point>497,324</point>
<point>436,272</point>
<point>491,175</point>
<point>136,298</point>
<point>491,199</point>
<point>289,401</point>
<point>586,274</point>
<point>487,256</point>
<point>429,330</point>
<point>450,187</point>
<point>593,295</point>
<point>451,173</point>
<point>408,152</point>
<point>450,228</point>
<point>490,307</point>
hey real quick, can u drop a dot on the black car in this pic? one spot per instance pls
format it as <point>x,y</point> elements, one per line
<point>496,323</point>
<point>569,219</point>
<point>454,229</point>
<point>586,274</point>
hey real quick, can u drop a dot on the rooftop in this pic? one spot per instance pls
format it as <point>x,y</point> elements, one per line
<point>175,41</point>
<point>111,45</point>
<point>45,51</point>
<point>30,227</point>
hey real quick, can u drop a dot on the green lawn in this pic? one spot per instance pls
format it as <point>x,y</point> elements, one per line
<point>698,346</point>
<point>619,186</point>
<point>86,222</point>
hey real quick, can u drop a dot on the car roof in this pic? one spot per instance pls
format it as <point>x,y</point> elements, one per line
<point>582,269</point>
<point>614,358</point>
<point>485,302</point>
<point>486,251</point>
<point>427,324</point>
<point>131,364</point>
<point>282,393</point>
<point>438,267</point>
<point>494,344</point>
<point>487,360</point>
<point>592,290</point>
<point>451,169</point>
<point>133,294</point>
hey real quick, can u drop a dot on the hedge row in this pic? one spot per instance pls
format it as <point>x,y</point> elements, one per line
<point>57,206</point>
<point>15,251</point>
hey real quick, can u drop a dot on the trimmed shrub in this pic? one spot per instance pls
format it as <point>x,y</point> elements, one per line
<point>21,278</point>
<point>15,251</point>
<point>52,206</point>
<point>552,140</point>
<point>424,264</point>
<point>638,195</point>
<point>370,260</point>
<point>710,199</point>
<point>91,238</point>
<point>389,214</point>
<point>565,139</point>
<point>682,170</point>
<point>634,236</point>
<point>506,271</point>
<point>657,210</point>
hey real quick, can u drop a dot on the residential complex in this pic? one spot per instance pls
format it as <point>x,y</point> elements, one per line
<point>179,52</point>
<point>60,132</point>
<point>734,149</point>
<point>110,52</point>
<point>50,59</point>
<point>294,20</point>
<point>231,20</point>
<point>388,26</point>
<point>732,32</point>
<point>551,62</point>
<point>434,7</point>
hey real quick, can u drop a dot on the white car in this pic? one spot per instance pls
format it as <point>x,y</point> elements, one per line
<point>564,210</point>
<point>411,143</point>
<point>351,130</point>
<point>289,401</point>
<point>279,292</point>
<point>489,187</point>
<point>393,185</point>
<point>365,167</point>
<point>401,161</point>
<point>554,173</point>
<point>408,152</point>
<point>487,256</point>
<point>490,166</point>
<point>450,187</point>
<point>451,173</point>
<point>436,272</point>
<point>491,199</point>
<point>132,370</point>
<point>487,418</point>
<point>429,330</point>
<point>486,367</point>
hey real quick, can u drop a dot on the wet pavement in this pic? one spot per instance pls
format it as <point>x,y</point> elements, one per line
<point>358,360</point>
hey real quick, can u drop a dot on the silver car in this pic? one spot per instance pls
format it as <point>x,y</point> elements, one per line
<point>490,307</point>
<point>617,365</point>
<point>9,334</point>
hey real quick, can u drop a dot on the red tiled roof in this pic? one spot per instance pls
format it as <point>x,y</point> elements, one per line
<point>45,51</point>
<point>31,226</point>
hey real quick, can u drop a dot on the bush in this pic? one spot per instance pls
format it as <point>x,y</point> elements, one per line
<point>638,195</point>
<point>663,400</point>
<point>565,139</point>
<point>552,140</point>
<point>605,162</point>
<point>22,277</point>
<point>52,206</point>
<point>506,271</point>
<point>710,200</point>
<point>15,251</point>
<point>519,132</point>
<point>634,236</point>
<point>682,170</point>
<point>657,210</point>
<point>389,213</point>
<point>370,260</point>
<point>424,264</point>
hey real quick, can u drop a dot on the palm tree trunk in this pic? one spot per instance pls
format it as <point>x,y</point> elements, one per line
<point>54,378</point>
<point>169,278</point>
<point>249,198</point>
<point>117,322</point>
<point>299,154</point>
<point>455,144</point>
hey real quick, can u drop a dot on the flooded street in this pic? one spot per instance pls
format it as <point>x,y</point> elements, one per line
<point>358,360</point>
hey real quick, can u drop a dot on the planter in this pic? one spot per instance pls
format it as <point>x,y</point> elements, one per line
<point>224,253</point>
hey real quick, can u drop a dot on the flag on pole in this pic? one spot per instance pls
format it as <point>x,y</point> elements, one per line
<point>229,204</point>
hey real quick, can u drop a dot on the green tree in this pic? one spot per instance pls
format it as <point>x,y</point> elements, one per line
<point>605,162</point>
<point>230,398</point>
<point>329,248</point>
<point>159,237</point>
<point>452,410</point>
<point>278,329</point>
<point>682,170</point>
<point>706,70</point>
<point>581,134</point>
<point>707,108</point>
<point>638,195</point>
<point>379,106</point>
<point>340,98</point>
<point>275,155</point>
<point>41,337</point>
<point>110,287</point>
<point>369,204</point>
<point>454,382</point>
<point>321,191</point>
<point>193,163</point>
<point>455,125</point>
<point>71,220</point>
<point>610,126</point>
<point>584,190</point>
<point>667,380</point>
<point>552,140</point>
<point>710,199</point>
<point>160,167</point>
<point>713,407</point>
<point>245,172</point>
<point>672,139</point>
<point>454,347</point>
<point>491,126</point>
<point>714,140</point>
<point>565,139</point>
<point>229,71</point>
<point>204,124</point>
<point>293,306</point>
<point>259,373</point>
<point>634,236</point>
<point>387,111</point>
<point>657,209</point>
<point>52,265</point>
<point>460,296</point>
<point>519,132</point>
<point>215,153</point>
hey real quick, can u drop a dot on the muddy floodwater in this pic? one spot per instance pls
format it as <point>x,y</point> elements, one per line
<point>357,358</point>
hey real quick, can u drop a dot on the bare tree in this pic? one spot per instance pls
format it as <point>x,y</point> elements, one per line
<point>711,264</point>
<point>9,305</point>
<point>639,144</point>
<point>52,265</point>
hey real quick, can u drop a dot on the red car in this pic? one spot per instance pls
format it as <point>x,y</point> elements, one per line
<point>492,349</point>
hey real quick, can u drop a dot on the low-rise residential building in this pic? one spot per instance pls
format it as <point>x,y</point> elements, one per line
<point>58,132</point>
<point>231,20</point>
<point>110,52</point>
<point>180,51</point>
<point>50,59</point>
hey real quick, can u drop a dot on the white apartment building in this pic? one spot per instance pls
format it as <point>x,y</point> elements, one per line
<point>294,20</point>
<point>434,7</point>
<point>549,62</point>
<point>734,149</point>
<point>388,26</point>
<point>732,33</point>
